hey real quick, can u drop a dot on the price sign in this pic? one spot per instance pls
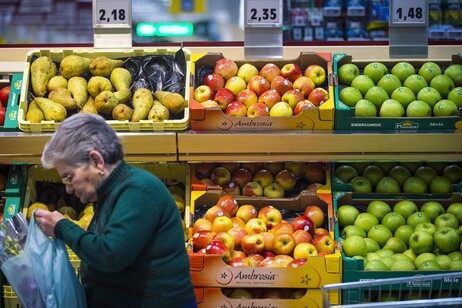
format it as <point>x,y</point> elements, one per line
<point>409,12</point>
<point>112,13</point>
<point>263,13</point>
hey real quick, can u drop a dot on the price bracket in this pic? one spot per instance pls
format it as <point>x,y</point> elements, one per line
<point>263,13</point>
<point>112,23</point>
<point>409,12</point>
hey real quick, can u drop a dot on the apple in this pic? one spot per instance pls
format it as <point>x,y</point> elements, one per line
<point>235,84</point>
<point>316,73</point>
<point>304,251</point>
<point>350,96</point>
<point>247,212</point>
<point>389,83</point>
<point>281,84</point>
<point>345,173</point>
<point>225,238</point>
<point>433,209</point>
<point>218,248</point>
<point>446,220</point>
<point>210,104</point>
<point>377,95</point>
<point>254,259</point>
<point>318,96</point>
<point>296,167</point>
<point>304,84</point>
<point>238,254</point>
<point>416,218</point>
<point>283,243</point>
<point>226,68</point>
<point>273,190</point>
<point>255,225</point>
<point>274,167</point>
<point>231,166</point>
<point>375,70</point>
<point>214,81</point>
<point>425,256</point>
<point>237,233</point>
<point>302,105</point>
<point>366,221</point>
<point>402,265</point>
<point>291,71</point>
<point>231,188</point>
<point>403,95</point>
<point>347,72</point>
<point>380,233</point>
<point>235,262</point>
<point>315,172</point>
<point>238,222</point>
<point>247,71</point>
<point>361,184</point>
<point>292,97</point>
<point>297,263</point>
<point>324,243</point>
<point>415,185</point>
<point>253,243</point>
<point>404,232</point>
<point>440,185</point>
<point>455,208</point>
<point>283,227</point>
<point>425,226</point>
<point>454,71</point>
<point>395,244</point>
<point>247,97</point>
<point>224,97</point>
<point>263,177</point>
<point>443,84</point>
<point>378,265</point>
<point>202,224</point>
<point>456,96</point>
<point>347,214</point>
<point>426,173</point>
<point>229,203</point>
<point>429,95</point>
<point>316,214</point>
<point>270,215</point>
<point>428,70</point>
<point>445,108</point>
<point>378,208</point>
<point>286,179</point>
<point>444,261</point>
<point>354,245</point>
<point>393,220</point>
<point>388,185</point>
<point>268,236</point>
<point>281,109</point>
<point>402,70</point>
<point>258,84</point>
<point>456,265</point>
<point>269,71</point>
<point>386,166</point>
<point>220,175</point>
<point>214,212</point>
<point>365,109</point>
<point>391,108</point>
<point>203,93</point>
<point>363,83</point>
<point>302,236</point>
<point>236,109</point>
<point>400,174</point>
<point>374,174</point>
<point>252,189</point>
<point>202,239</point>
<point>241,176</point>
<point>415,82</point>
<point>421,241</point>
<point>418,109</point>
<point>303,223</point>
<point>352,230</point>
<point>453,172</point>
<point>204,170</point>
<point>405,208</point>
<point>4,95</point>
<point>269,98</point>
<point>222,224</point>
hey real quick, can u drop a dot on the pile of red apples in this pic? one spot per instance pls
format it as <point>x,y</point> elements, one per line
<point>247,236</point>
<point>267,91</point>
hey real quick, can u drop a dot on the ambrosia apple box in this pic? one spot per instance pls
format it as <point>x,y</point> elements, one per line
<point>345,118</point>
<point>213,118</point>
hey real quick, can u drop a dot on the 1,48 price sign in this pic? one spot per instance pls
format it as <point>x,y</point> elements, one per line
<point>112,12</point>
<point>409,12</point>
<point>263,13</point>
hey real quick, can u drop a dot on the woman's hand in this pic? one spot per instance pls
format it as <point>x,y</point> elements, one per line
<point>47,220</point>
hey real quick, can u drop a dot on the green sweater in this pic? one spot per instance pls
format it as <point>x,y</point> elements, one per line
<point>133,254</point>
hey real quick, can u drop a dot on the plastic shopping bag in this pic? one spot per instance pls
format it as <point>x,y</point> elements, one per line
<point>42,276</point>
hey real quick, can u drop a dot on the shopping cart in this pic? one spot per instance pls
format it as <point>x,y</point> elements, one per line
<point>434,290</point>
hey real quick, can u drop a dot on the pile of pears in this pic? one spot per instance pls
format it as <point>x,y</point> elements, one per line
<point>59,92</point>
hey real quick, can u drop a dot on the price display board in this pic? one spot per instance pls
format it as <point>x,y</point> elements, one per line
<point>263,13</point>
<point>112,13</point>
<point>409,13</point>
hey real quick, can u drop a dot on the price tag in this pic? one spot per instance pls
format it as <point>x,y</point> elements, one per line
<point>409,12</point>
<point>263,13</point>
<point>112,13</point>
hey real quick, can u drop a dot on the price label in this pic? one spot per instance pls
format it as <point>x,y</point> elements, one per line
<point>112,13</point>
<point>263,13</point>
<point>409,12</point>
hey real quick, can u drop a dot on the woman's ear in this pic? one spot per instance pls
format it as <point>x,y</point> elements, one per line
<point>96,160</point>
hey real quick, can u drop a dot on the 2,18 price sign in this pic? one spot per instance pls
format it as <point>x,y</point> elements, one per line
<point>263,13</point>
<point>409,12</point>
<point>113,13</point>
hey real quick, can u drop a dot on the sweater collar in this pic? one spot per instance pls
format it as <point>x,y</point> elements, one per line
<point>114,177</point>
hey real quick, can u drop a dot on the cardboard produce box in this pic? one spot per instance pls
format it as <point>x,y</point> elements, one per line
<point>345,118</point>
<point>214,118</point>
<point>209,270</point>
<point>166,69</point>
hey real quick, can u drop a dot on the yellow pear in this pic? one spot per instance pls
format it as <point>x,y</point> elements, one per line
<point>56,82</point>
<point>34,113</point>
<point>74,65</point>
<point>142,102</point>
<point>89,106</point>
<point>122,112</point>
<point>78,88</point>
<point>158,112</point>
<point>63,96</point>
<point>103,66</point>
<point>121,78</point>
<point>105,102</point>
<point>41,71</point>
<point>98,84</point>
<point>173,101</point>
<point>52,111</point>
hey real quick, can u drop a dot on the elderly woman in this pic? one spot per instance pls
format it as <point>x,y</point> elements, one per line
<point>133,253</point>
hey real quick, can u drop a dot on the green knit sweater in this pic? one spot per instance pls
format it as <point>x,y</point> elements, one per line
<point>133,254</point>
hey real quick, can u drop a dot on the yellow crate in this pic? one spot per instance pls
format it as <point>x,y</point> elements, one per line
<point>143,125</point>
<point>10,300</point>
<point>75,261</point>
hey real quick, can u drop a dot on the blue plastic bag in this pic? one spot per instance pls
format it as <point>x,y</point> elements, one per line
<point>42,276</point>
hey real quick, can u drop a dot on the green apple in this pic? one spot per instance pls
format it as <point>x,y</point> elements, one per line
<point>421,241</point>
<point>375,265</point>
<point>380,233</point>
<point>446,239</point>
<point>389,83</point>
<point>388,185</point>
<point>418,109</point>
<point>393,220</point>
<point>366,221</point>
<point>453,172</point>
<point>400,174</point>
<point>440,185</point>
<point>426,226</point>
<point>443,84</point>
<point>365,109</point>
<point>402,70</point>
<point>347,214</point>
<point>403,95</point>
<point>445,108</point>
<point>345,173</point>
<point>388,260</point>
<point>359,165</point>
<point>391,108</point>
<point>456,255</point>
<point>371,256</point>
<point>430,265</point>
<point>402,256</point>
<point>456,265</point>
<point>422,257</point>
<point>404,232</point>
<point>417,218</point>
<point>350,96</point>
<point>455,208</point>
<point>386,166</point>
<point>378,208</point>
<point>396,244</point>
<point>426,173</point>
<point>433,209</point>
<point>456,96</point>
<point>454,71</point>
<point>363,83</point>
<point>429,95</point>
<point>437,165</point>
<point>405,208</point>
<point>385,252</point>
<point>415,185</point>
<point>351,230</point>
<point>376,95</point>
<point>373,173</point>
<point>347,72</point>
<point>411,165</point>
<point>444,261</point>
<point>447,220</point>
<point>372,245</point>
<point>402,265</point>
<point>410,254</point>
<point>375,70</point>
<point>415,82</point>
<point>428,70</point>
<point>361,184</point>
<point>354,246</point>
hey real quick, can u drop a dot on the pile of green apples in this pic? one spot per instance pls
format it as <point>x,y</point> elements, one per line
<point>400,177</point>
<point>403,236</point>
<point>402,90</point>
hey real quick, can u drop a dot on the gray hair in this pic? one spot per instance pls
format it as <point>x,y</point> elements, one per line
<point>77,136</point>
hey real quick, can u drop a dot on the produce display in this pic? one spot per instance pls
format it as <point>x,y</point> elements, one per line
<point>4,95</point>
<point>259,293</point>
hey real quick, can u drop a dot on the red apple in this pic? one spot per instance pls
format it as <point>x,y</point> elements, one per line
<point>238,222</point>
<point>210,104</point>
<point>224,97</point>
<point>202,224</point>
<point>297,263</point>
<point>238,254</point>
<point>231,188</point>
<point>268,254</point>
<point>320,231</point>
<point>302,105</point>
<point>283,243</point>
<point>4,95</point>
<point>324,243</point>
<point>258,110</point>
<point>269,98</point>
<point>283,227</point>
<point>229,203</point>
<point>298,168</point>
<point>302,236</point>
<point>253,244</point>
<point>226,68</point>
<point>237,261</point>
<point>207,181</point>
<point>263,177</point>
<point>314,186</point>
<point>204,170</point>
<point>214,81</point>
<point>315,172</point>
<point>304,84</point>
<point>268,236</point>
<point>291,71</point>
<point>236,109</point>
<point>316,214</point>
<point>292,97</point>
<point>214,212</point>
<point>318,96</point>
<point>255,225</point>
<point>203,93</point>
<point>218,248</point>
<point>269,71</point>
<point>316,73</point>
<point>268,262</point>
<point>258,84</point>
<point>242,176</point>
<point>270,215</point>
<point>226,239</point>
<point>274,190</point>
<point>281,84</point>
<point>303,223</point>
<point>202,239</point>
<point>237,234</point>
<point>220,175</point>
<point>246,212</point>
<point>247,97</point>
<point>252,189</point>
<point>283,259</point>
<point>231,166</point>
<point>254,259</point>
<point>222,224</point>
<point>286,179</point>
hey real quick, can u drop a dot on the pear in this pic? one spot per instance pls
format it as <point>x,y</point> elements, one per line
<point>121,78</point>
<point>158,112</point>
<point>63,96</point>
<point>56,82</point>
<point>41,71</point>
<point>174,102</point>
<point>98,84</point>
<point>123,96</point>
<point>34,113</point>
<point>105,102</point>
<point>142,102</point>
<point>89,106</point>
<point>73,65</point>
<point>103,66</point>
<point>78,88</point>
<point>52,111</point>
<point>122,112</point>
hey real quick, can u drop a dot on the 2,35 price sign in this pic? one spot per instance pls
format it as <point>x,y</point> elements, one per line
<point>409,12</point>
<point>113,13</point>
<point>263,13</point>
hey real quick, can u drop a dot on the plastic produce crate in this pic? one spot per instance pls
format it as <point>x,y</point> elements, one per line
<point>215,119</point>
<point>10,299</point>
<point>178,121</point>
<point>345,118</point>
